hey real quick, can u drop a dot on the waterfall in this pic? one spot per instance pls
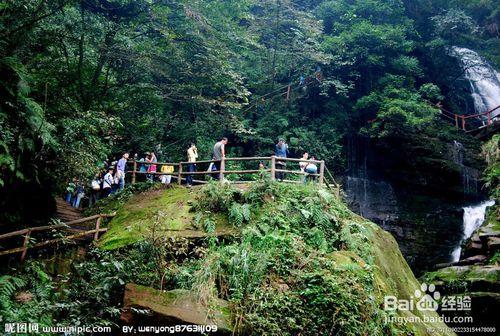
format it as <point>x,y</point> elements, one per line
<point>484,80</point>
<point>473,219</point>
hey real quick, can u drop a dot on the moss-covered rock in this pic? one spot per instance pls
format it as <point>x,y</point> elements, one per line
<point>394,277</point>
<point>303,260</point>
<point>174,307</point>
<point>160,213</point>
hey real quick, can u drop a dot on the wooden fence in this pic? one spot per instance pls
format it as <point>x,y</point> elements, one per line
<point>27,233</point>
<point>272,165</point>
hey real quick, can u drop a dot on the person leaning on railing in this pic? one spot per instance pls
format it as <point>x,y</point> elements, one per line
<point>310,169</point>
<point>192,155</point>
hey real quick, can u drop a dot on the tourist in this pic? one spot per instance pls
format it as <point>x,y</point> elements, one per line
<point>80,193</point>
<point>70,190</point>
<point>280,151</point>
<point>318,74</point>
<point>303,164</point>
<point>310,168</point>
<point>167,169</point>
<point>218,155</point>
<point>107,183</point>
<point>152,166</point>
<point>120,171</point>
<point>95,189</point>
<point>192,155</point>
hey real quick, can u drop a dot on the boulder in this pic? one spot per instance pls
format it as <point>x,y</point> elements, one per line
<point>457,279</point>
<point>477,259</point>
<point>486,231</point>
<point>493,244</point>
<point>147,305</point>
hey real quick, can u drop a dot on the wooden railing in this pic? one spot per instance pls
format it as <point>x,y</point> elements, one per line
<point>273,168</point>
<point>27,233</point>
<point>471,122</point>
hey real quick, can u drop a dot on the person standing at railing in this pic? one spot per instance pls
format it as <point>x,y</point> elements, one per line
<point>152,166</point>
<point>280,151</point>
<point>218,155</point>
<point>120,171</point>
<point>107,182</point>
<point>310,168</point>
<point>168,170</point>
<point>303,164</point>
<point>192,155</point>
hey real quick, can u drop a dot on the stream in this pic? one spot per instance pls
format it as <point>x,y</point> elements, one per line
<point>474,216</point>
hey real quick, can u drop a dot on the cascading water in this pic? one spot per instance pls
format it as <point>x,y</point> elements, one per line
<point>473,219</point>
<point>483,79</point>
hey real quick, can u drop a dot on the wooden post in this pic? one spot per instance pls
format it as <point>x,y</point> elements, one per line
<point>179,174</point>
<point>456,120</point>
<point>222,168</point>
<point>133,173</point>
<point>321,172</point>
<point>273,167</point>
<point>463,122</point>
<point>97,227</point>
<point>25,244</point>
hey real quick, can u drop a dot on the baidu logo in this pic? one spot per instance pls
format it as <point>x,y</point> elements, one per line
<point>424,298</point>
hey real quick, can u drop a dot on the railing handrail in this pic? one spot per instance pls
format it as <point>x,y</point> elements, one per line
<point>463,117</point>
<point>54,226</point>
<point>28,231</point>
<point>221,167</point>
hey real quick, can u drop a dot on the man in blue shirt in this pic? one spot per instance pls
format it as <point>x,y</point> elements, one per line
<point>120,171</point>
<point>280,151</point>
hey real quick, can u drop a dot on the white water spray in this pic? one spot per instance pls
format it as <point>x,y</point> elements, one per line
<point>473,219</point>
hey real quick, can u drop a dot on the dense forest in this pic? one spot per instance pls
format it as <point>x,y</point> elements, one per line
<point>360,84</point>
<point>83,81</point>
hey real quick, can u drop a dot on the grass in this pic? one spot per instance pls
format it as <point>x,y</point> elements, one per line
<point>164,213</point>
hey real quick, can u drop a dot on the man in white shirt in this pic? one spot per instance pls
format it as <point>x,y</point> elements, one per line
<point>107,183</point>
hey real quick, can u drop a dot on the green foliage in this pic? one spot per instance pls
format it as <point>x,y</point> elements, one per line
<point>239,213</point>
<point>491,176</point>
<point>90,294</point>
<point>216,198</point>
<point>288,273</point>
<point>399,111</point>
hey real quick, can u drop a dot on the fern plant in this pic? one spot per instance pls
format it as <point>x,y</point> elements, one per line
<point>239,214</point>
<point>8,286</point>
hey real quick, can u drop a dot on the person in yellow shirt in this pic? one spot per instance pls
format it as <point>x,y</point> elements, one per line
<point>167,170</point>
<point>192,155</point>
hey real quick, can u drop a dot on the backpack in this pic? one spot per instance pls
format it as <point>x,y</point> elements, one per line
<point>96,185</point>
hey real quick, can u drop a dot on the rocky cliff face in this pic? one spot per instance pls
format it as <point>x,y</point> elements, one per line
<point>415,189</point>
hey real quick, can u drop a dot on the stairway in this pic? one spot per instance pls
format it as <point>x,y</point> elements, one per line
<point>65,212</point>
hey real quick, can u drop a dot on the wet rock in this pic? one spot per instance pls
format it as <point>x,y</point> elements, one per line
<point>154,307</point>
<point>457,279</point>
<point>493,244</point>
<point>475,259</point>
